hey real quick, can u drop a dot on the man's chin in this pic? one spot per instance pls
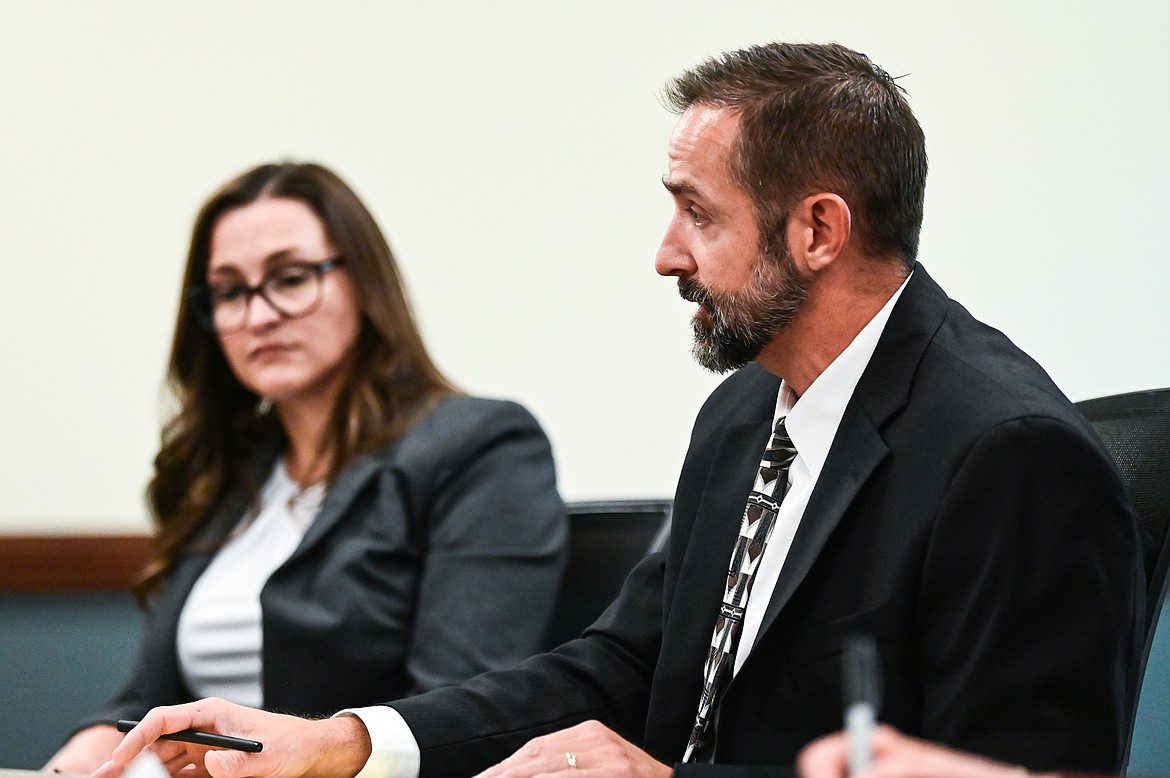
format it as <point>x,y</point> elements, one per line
<point>720,359</point>
<point>703,319</point>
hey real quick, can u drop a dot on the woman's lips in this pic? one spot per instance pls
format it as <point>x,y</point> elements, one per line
<point>269,351</point>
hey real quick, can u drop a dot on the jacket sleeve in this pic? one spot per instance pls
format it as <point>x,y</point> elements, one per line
<point>1029,591</point>
<point>604,675</point>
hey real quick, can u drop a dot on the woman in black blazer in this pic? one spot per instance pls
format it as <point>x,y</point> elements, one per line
<point>335,523</point>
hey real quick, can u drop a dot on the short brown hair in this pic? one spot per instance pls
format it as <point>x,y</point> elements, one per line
<point>813,118</point>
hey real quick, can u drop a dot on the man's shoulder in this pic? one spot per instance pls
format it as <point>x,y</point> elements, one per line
<point>975,366</point>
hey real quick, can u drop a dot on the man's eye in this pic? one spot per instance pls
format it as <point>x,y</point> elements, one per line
<point>226,294</point>
<point>696,217</point>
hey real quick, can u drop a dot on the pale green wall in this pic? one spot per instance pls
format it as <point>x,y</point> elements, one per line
<point>512,152</point>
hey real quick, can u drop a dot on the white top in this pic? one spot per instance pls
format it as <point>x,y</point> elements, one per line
<point>812,422</point>
<point>219,635</point>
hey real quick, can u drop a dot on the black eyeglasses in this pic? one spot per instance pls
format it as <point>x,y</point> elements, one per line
<point>292,290</point>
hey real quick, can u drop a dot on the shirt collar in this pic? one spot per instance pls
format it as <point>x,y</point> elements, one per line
<point>812,422</point>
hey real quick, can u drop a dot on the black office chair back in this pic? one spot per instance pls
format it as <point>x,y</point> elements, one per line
<point>1136,429</point>
<point>606,539</point>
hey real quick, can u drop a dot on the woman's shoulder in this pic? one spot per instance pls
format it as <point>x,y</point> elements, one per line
<point>462,422</point>
<point>462,412</point>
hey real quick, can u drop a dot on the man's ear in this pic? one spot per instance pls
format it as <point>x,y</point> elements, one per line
<point>819,227</point>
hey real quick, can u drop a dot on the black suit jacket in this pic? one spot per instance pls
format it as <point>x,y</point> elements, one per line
<point>966,517</point>
<point>419,552</point>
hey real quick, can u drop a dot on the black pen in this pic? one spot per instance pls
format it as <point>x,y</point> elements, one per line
<point>202,738</point>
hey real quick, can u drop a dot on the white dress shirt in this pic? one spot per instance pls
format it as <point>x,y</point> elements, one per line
<point>812,422</point>
<point>219,638</point>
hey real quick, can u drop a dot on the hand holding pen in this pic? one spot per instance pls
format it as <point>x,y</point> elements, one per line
<point>896,755</point>
<point>335,747</point>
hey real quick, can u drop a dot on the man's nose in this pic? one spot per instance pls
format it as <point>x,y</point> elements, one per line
<point>674,257</point>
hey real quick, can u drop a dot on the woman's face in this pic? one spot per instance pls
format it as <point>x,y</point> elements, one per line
<point>292,361</point>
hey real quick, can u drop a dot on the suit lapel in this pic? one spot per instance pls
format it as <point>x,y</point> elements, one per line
<point>839,482</point>
<point>720,511</point>
<point>340,496</point>
<point>858,447</point>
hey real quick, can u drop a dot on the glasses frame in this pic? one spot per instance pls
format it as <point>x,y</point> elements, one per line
<point>200,296</point>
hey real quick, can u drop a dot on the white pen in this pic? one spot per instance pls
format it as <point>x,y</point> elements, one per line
<point>862,687</point>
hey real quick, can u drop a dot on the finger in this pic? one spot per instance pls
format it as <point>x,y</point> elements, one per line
<point>887,738</point>
<point>550,753</point>
<point>155,724</point>
<point>179,761</point>
<point>825,757</point>
<point>225,764</point>
<point>108,770</point>
<point>538,757</point>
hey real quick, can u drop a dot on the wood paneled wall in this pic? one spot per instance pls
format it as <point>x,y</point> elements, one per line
<point>57,563</point>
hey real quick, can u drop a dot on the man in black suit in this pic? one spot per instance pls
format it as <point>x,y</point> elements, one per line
<point>945,497</point>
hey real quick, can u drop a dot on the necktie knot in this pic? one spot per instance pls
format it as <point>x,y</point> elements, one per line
<point>780,451</point>
<point>772,479</point>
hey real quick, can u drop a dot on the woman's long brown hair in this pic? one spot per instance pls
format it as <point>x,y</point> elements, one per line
<point>206,445</point>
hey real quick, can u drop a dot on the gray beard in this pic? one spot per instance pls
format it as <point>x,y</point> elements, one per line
<point>740,324</point>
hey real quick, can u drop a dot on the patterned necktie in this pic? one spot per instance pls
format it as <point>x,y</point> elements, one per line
<point>759,517</point>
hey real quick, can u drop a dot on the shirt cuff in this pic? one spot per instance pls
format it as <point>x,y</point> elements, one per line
<point>394,752</point>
